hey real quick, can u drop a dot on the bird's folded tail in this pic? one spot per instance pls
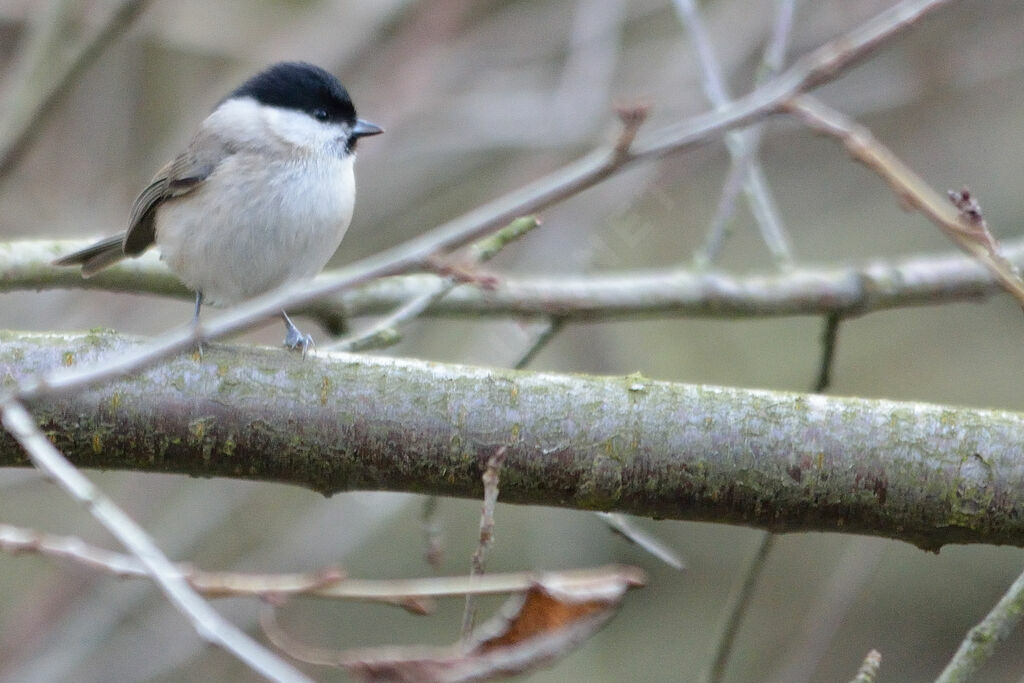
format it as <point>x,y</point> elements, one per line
<point>96,257</point>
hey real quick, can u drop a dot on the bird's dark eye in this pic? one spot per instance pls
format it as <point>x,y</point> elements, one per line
<point>321,115</point>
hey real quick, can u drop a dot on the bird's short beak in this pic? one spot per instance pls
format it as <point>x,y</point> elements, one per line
<point>363,129</point>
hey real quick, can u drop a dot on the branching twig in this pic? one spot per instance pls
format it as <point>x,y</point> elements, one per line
<point>385,332</point>
<point>963,228</point>
<point>208,624</point>
<point>849,289</point>
<point>746,170</point>
<point>811,71</point>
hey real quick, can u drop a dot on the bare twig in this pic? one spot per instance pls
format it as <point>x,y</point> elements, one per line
<point>632,116</point>
<point>742,144</point>
<point>622,525</point>
<point>432,531</point>
<point>208,624</point>
<point>330,583</point>
<point>23,124</point>
<point>478,563</point>
<point>848,289</point>
<point>385,332</point>
<point>868,671</point>
<point>980,642</point>
<point>829,339</point>
<point>739,603</point>
<point>961,227</point>
<point>811,71</point>
<point>542,337</point>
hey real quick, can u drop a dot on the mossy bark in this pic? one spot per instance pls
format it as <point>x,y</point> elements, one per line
<point>925,474</point>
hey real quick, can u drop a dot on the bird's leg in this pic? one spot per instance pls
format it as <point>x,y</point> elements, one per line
<point>195,322</point>
<point>294,339</point>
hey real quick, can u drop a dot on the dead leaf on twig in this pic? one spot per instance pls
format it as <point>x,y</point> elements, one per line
<point>532,629</point>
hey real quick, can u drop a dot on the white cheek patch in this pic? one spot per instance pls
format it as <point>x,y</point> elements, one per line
<point>255,126</point>
<point>302,130</point>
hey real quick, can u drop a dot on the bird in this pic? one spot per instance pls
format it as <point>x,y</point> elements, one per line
<point>261,197</point>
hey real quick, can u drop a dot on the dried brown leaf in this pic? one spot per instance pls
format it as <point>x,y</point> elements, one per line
<point>532,629</point>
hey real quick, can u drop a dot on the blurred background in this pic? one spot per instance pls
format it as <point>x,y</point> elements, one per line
<point>479,97</point>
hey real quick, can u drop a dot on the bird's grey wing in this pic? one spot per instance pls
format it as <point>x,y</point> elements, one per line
<point>179,177</point>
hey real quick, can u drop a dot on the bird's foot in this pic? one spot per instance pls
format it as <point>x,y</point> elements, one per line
<point>294,338</point>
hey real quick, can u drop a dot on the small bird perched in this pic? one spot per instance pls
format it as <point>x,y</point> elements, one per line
<point>261,197</point>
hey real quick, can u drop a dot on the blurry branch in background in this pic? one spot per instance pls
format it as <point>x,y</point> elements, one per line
<point>980,642</point>
<point>33,104</point>
<point>739,602</point>
<point>207,623</point>
<point>959,219</point>
<point>746,170</point>
<point>826,610</point>
<point>624,444</point>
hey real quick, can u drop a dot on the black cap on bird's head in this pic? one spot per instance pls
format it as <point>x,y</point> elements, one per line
<point>307,88</point>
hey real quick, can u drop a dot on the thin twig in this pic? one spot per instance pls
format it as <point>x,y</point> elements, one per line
<point>966,232</point>
<point>478,564</point>
<point>737,608</point>
<point>432,532</point>
<point>868,671</point>
<point>22,125</point>
<point>850,289</point>
<point>208,624</point>
<point>330,583</point>
<point>622,525</point>
<point>742,145</point>
<point>820,66</point>
<point>980,642</point>
<point>542,337</point>
<point>386,331</point>
<point>829,339</point>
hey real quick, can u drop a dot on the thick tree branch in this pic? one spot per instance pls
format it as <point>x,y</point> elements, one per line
<point>925,474</point>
